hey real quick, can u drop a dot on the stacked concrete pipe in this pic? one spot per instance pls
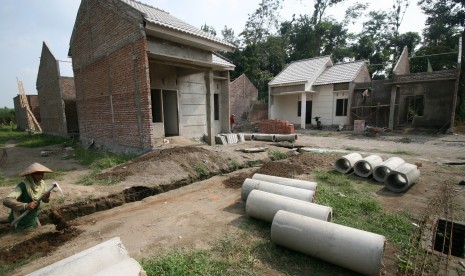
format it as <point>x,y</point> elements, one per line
<point>302,184</point>
<point>347,247</point>
<point>264,206</point>
<point>346,163</point>
<point>382,170</point>
<point>365,166</point>
<point>284,137</point>
<point>292,192</point>
<point>262,137</point>
<point>401,178</point>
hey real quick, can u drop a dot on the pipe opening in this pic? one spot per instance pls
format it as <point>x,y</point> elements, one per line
<point>363,168</point>
<point>342,164</point>
<point>396,181</point>
<point>449,236</point>
<point>381,172</point>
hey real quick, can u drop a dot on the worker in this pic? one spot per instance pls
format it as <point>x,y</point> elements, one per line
<point>232,122</point>
<point>25,195</point>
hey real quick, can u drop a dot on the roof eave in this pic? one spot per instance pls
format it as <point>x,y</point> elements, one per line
<point>185,38</point>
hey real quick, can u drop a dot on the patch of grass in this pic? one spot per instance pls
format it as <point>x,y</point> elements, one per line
<point>277,155</point>
<point>353,206</point>
<point>234,165</point>
<point>201,170</point>
<point>5,182</point>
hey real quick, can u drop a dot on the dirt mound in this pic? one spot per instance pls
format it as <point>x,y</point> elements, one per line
<point>187,159</point>
<point>290,167</point>
<point>38,246</point>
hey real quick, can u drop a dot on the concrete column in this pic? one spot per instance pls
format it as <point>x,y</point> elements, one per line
<point>210,139</point>
<point>303,109</point>
<point>351,248</point>
<point>392,106</point>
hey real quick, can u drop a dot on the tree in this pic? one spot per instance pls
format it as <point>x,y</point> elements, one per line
<point>320,7</point>
<point>445,23</point>
<point>262,22</point>
<point>208,29</point>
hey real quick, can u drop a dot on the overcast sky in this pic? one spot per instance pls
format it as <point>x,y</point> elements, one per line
<point>25,24</point>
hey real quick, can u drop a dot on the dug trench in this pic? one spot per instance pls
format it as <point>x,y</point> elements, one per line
<point>62,217</point>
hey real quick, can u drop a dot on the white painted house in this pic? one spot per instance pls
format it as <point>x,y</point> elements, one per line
<point>315,87</point>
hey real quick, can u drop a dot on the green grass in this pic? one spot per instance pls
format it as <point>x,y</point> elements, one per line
<point>353,206</point>
<point>277,155</point>
<point>201,170</point>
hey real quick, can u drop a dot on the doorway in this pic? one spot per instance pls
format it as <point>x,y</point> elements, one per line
<point>170,112</point>
<point>308,112</point>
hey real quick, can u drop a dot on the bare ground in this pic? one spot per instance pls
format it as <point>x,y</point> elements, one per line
<point>161,204</point>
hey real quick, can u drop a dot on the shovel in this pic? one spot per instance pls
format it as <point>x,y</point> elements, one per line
<point>50,188</point>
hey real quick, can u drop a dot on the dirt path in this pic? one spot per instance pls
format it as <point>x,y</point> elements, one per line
<point>201,212</point>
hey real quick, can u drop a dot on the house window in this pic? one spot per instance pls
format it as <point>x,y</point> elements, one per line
<point>216,106</point>
<point>299,108</point>
<point>157,110</point>
<point>341,107</point>
<point>341,86</point>
<point>416,106</point>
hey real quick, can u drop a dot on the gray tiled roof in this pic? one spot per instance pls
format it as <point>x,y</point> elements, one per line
<point>300,71</point>
<point>162,18</point>
<point>342,72</point>
<point>221,61</point>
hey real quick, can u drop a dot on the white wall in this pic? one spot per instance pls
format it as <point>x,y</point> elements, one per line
<point>324,105</point>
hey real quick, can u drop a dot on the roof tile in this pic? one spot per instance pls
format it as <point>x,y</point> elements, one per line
<point>342,72</point>
<point>301,71</point>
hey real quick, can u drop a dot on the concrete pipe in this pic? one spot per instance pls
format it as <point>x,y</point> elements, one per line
<point>365,166</point>
<point>401,178</point>
<point>285,137</point>
<point>248,136</point>
<point>264,206</point>
<point>292,192</point>
<point>380,171</point>
<point>344,246</point>
<point>263,137</point>
<point>346,163</point>
<point>302,184</point>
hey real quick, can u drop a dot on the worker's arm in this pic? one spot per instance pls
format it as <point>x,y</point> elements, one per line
<point>11,201</point>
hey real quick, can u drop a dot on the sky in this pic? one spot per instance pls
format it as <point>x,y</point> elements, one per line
<point>26,24</point>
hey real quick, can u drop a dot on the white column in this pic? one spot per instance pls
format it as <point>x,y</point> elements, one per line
<point>303,109</point>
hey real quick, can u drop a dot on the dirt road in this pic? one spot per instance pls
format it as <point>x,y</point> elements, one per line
<point>195,214</point>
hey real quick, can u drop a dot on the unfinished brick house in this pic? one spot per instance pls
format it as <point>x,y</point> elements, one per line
<point>409,100</point>
<point>57,97</point>
<point>21,113</point>
<point>243,95</point>
<point>141,74</point>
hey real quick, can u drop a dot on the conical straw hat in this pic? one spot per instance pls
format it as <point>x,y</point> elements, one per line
<point>36,167</point>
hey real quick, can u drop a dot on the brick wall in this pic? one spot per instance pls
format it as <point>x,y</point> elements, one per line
<point>242,94</point>
<point>275,126</point>
<point>20,113</point>
<point>49,91</point>
<point>111,72</point>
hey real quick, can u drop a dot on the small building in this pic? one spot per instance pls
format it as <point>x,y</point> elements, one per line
<point>423,100</point>
<point>315,87</point>
<point>21,116</point>
<point>242,96</point>
<point>142,74</point>
<point>57,96</point>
